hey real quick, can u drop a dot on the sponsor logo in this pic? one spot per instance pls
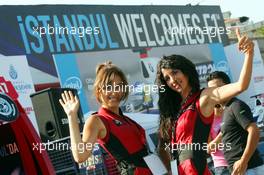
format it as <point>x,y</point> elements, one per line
<point>222,66</point>
<point>12,72</point>
<point>89,83</point>
<point>19,84</point>
<point>204,69</point>
<point>73,82</point>
<point>8,109</point>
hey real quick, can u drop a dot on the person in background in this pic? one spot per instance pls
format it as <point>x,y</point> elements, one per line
<point>220,164</point>
<point>239,133</point>
<point>119,135</point>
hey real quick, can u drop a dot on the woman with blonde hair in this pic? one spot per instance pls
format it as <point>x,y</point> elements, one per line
<point>119,135</point>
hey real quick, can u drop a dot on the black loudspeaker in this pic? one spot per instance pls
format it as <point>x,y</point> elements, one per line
<point>51,118</point>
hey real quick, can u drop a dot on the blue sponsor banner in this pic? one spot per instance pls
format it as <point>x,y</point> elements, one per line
<point>219,58</point>
<point>69,76</point>
<point>40,31</point>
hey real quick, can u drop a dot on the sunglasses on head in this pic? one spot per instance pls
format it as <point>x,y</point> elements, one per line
<point>217,106</point>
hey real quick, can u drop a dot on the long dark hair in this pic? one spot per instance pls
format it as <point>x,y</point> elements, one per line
<point>169,100</point>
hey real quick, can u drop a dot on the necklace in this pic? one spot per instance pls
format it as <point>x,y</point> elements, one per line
<point>179,114</point>
<point>187,98</point>
<point>183,103</point>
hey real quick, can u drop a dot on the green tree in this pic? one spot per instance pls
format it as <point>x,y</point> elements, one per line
<point>260,31</point>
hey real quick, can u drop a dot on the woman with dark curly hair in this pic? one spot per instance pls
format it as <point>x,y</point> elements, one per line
<point>186,111</point>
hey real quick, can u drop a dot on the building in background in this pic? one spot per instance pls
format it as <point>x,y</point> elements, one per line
<point>254,30</point>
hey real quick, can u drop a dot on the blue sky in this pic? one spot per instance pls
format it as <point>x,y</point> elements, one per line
<point>253,8</point>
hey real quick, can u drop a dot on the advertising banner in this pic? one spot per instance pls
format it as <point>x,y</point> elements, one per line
<point>254,95</point>
<point>42,30</point>
<point>16,70</point>
<point>65,33</point>
<point>18,136</point>
<point>139,66</point>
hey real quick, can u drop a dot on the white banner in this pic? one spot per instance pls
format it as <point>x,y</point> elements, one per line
<point>236,59</point>
<point>16,70</point>
<point>258,71</point>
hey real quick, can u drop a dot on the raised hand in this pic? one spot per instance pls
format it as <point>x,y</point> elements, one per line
<point>244,43</point>
<point>69,103</point>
